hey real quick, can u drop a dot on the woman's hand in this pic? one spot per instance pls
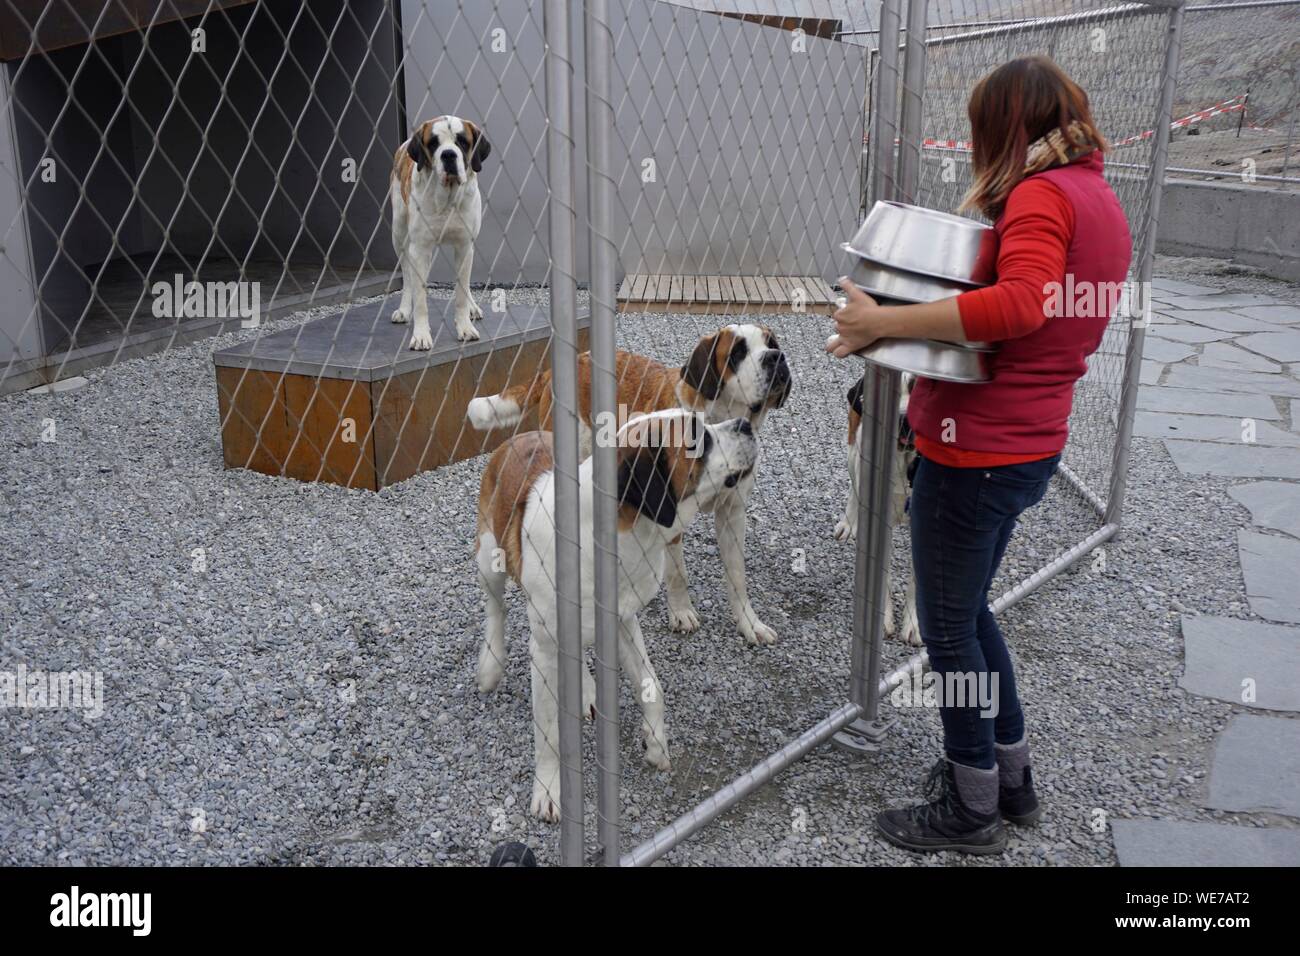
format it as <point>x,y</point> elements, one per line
<point>857,322</point>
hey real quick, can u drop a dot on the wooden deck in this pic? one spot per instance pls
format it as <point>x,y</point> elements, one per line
<point>725,294</point>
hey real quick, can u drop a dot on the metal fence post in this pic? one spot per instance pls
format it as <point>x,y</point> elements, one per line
<point>599,44</point>
<point>564,294</point>
<point>910,136</point>
<point>877,437</point>
<point>1137,334</point>
<point>884,122</point>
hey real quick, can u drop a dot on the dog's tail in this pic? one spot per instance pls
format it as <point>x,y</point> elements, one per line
<point>508,408</point>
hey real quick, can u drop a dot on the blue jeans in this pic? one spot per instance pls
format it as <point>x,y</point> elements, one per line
<point>961,520</point>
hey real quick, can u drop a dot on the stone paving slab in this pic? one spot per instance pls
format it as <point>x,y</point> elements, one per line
<point>1295,414</point>
<point>1269,563</point>
<point>1222,321</point>
<point>1162,350</point>
<point>1231,380</point>
<point>1256,766</point>
<point>1178,843</point>
<point>1221,300</point>
<point>1178,287</point>
<point>1209,428</point>
<point>1272,504</point>
<point>1191,334</point>
<point>1226,355</point>
<point>1150,372</point>
<point>1279,346</point>
<point>1276,313</point>
<point>1234,461</point>
<point>1196,402</point>
<point>1222,653</point>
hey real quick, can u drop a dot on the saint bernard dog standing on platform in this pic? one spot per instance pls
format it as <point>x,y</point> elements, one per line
<point>738,371</point>
<point>436,202</point>
<point>847,527</point>
<point>671,466</point>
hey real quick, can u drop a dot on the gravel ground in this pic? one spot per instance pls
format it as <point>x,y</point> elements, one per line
<point>301,691</point>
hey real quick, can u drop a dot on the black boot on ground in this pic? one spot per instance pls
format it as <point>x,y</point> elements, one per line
<point>962,813</point>
<point>1016,798</point>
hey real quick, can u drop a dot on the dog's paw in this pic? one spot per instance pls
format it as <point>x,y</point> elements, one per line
<point>656,752</point>
<point>889,619</point>
<point>846,530</point>
<point>490,670</point>
<point>682,618</point>
<point>466,332</point>
<point>475,313</point>
<point>911,633</point>
<point>421,340</point>
<point>400,316</point>
<point>756,632</point>
<point>546,799</point>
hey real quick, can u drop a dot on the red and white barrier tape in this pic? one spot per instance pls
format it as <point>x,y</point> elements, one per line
<point>1233,105</point>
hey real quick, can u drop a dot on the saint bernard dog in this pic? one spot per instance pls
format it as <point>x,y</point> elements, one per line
<point>671,466</point>
<point>847,527</point>
<point>436,202</point>
<point>738,371</point>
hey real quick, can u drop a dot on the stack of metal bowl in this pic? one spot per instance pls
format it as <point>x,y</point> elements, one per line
<point>905,254</point>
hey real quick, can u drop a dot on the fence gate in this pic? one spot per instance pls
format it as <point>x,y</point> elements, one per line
<point>916,136</point>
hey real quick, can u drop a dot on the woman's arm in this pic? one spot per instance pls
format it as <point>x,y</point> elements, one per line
<point>862,321</point>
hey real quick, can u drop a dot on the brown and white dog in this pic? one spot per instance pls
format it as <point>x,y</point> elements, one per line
<point>739,371</point>
<point>847,527</point>
<point>436,202</point>
<point>671,466</point>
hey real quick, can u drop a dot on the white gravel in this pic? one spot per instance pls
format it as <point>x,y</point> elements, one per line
<point>309,698</point>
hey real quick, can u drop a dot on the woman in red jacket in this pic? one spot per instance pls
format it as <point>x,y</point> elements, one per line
<point>988,451</point>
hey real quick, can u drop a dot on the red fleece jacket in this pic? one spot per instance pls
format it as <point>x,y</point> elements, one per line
<point>1059,226</point>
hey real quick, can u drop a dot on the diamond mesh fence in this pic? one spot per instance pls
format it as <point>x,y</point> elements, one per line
<point>299,289</point>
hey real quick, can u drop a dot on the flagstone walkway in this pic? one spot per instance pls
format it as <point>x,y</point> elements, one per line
<point>1221,386</point>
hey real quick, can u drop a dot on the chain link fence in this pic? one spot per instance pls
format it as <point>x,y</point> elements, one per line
<point>1235,115</point>
<point>667,181</point>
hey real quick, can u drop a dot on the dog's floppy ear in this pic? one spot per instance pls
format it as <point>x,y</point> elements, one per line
<point>643,484</point>
<point>418,149</point>
<point>479,146</point>
<point>701,371</point>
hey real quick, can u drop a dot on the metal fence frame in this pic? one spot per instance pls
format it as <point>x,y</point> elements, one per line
<point>856,723</point>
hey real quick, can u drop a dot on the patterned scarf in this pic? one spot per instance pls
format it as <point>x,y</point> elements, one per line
<point>1057,149</point>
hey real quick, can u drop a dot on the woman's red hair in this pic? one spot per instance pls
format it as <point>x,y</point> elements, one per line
<point>1018,103</point>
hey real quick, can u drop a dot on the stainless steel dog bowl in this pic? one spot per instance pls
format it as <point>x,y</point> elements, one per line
<point>939,360</point>
<point>885,283</point>
<point>882,280</point>
<point>916,239</point>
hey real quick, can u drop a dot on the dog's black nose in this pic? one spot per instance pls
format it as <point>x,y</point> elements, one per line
<point>779,369</point>
<point>744,427</point>
<point>448,157</point>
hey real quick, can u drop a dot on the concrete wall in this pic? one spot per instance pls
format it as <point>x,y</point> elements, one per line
<point>1255,225</point>
<point>20,330</point>
<point>754,143</point>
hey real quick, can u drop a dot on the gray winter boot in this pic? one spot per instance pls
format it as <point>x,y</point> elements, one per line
<point>1016,798</point>
<point>962,813</point>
